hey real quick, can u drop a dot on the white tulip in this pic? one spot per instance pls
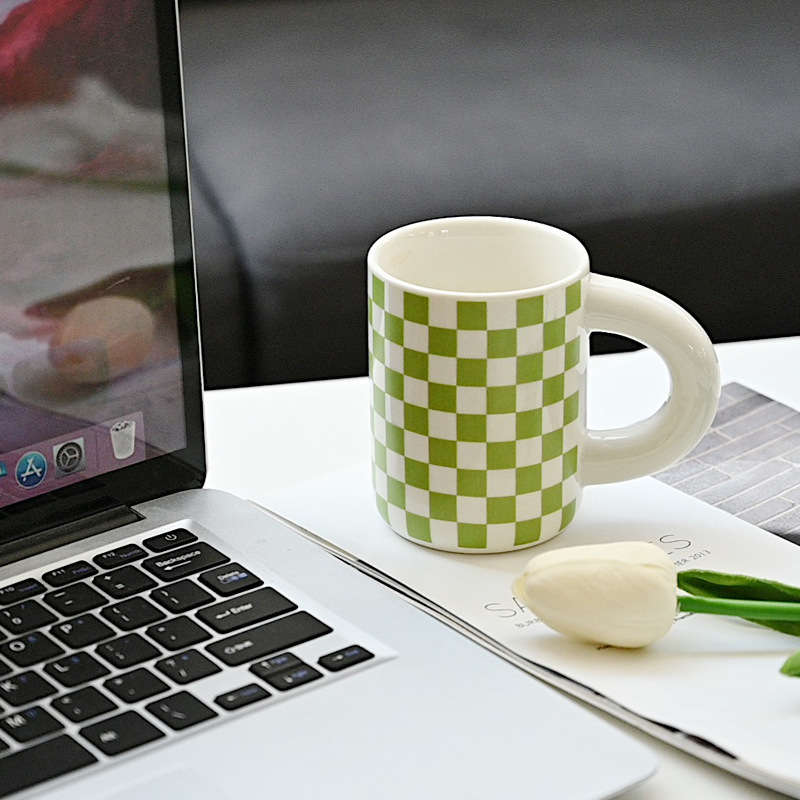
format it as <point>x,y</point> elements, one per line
<point>622,594</point>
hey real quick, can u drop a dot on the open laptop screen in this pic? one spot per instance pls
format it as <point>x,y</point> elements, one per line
<point>96,294</point>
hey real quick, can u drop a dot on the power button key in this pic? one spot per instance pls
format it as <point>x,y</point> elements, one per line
<point>166,541</point>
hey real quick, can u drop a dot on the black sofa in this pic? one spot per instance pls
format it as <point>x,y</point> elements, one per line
<point>665,135</point>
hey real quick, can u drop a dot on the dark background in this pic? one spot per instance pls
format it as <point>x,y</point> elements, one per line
<point>665,135</point>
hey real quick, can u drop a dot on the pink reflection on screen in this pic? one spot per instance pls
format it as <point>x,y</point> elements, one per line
<point>88,325</point>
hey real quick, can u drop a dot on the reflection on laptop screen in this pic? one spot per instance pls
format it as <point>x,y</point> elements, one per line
<point>90,369</point>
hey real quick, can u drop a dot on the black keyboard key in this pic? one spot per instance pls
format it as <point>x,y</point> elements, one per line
<point>25,688</point>
<point>181,596</point>
<point>180,711</point>
<point>169,541</point>
<point>271,666</point>
<point>42,762</point>
<point>244,696</point>
<point>25,616</point>
<point>3,747</point>
<point>131,614</point>
<point>76,668</point>
<point>246,609</point>
<point>123,554</point>
<point>73,600</point>
<point>178,633</point>
<point>187,561</point>
<point>346,657</point>
<point>136,685</point>
<point>24,726</point>
<point>21,590</point>
<point>127,651</point>
<point>124,582</point>
<point>230,579</point>
<point>293,678</point>
<point>187,667</point>
<point>4,668</point>
<point>83,705</point>
<point>265,639</point>
<point>69,574</point>
<point>30,649</point>
<point>82,631</point>
<point>121,733</point>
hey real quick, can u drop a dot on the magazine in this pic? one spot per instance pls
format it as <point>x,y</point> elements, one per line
<point>711,686</point>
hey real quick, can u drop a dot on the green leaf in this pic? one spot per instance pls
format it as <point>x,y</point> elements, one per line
<point>706,583</point>
<point>791,666</point>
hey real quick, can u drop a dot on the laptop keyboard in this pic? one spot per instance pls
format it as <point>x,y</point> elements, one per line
<point>100,657</point>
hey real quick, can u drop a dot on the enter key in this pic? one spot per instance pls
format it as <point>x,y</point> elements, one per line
<point>243,610</point>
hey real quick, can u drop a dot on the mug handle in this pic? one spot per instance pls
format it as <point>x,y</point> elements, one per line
<point>618,454</point>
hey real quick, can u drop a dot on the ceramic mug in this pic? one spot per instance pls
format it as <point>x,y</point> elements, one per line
<point>478,347</point>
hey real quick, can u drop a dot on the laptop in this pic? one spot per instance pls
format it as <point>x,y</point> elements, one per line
<point>157,639</point>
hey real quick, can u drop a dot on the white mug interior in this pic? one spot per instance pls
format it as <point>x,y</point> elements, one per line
<point>479,255</point>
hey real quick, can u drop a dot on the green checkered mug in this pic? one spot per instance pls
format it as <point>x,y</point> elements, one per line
<point>478,347</point>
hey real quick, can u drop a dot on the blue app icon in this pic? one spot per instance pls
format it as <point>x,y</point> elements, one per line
<point>31,469</point>
<point>3,470</point>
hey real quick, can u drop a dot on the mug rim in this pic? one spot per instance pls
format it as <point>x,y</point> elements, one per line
<point>532,291</point>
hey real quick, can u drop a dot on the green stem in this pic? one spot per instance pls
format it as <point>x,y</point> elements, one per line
<point>749,609</point>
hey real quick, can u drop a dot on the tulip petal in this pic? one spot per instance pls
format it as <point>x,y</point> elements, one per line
<point>622,594</point>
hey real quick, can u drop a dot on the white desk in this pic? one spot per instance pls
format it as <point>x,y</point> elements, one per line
<point>265,438</point>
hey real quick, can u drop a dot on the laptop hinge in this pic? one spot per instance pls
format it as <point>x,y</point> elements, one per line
<point>58,535</point>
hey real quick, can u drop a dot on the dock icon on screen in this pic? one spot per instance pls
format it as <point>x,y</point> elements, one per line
<point>70,457</point>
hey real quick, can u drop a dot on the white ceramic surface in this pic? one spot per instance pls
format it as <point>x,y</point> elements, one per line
<point>478,340</point>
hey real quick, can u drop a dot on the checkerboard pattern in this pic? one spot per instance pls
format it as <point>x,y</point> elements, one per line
<point>477,415</point>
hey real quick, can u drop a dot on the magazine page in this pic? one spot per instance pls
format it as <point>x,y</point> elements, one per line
<point>712,678</point>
